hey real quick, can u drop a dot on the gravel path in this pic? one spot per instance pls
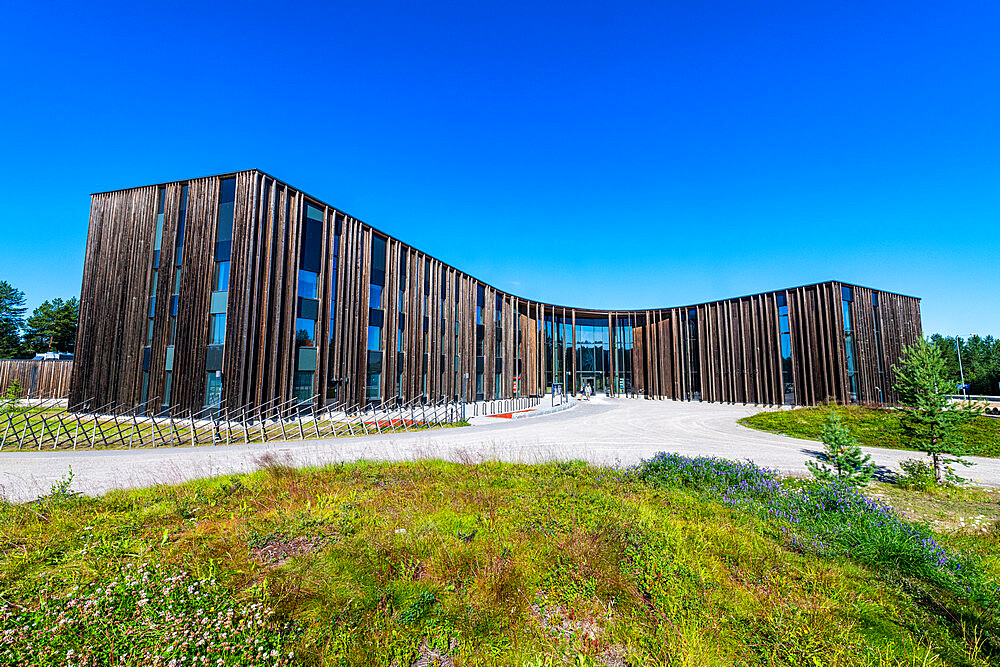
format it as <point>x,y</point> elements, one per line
<point>601,431</point>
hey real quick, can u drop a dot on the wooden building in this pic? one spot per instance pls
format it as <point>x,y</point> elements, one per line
<point>239,290</point>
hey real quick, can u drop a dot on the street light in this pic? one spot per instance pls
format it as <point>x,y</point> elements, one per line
<point>961,374</point>
<point>464,376</point>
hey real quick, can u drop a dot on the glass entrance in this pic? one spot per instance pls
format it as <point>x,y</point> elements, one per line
<point>597,382</point>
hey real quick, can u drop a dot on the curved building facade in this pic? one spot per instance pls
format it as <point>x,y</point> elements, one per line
<point>240,290</point>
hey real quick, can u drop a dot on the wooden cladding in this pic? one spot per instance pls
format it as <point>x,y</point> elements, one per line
<point>39,378</point>
<point>431,343</point>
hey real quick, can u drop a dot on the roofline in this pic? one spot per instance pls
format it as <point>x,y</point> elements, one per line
<point>451,266</point>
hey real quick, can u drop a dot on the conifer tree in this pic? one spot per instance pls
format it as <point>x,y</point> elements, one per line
<point>843,459</point>
<point>932,420</point>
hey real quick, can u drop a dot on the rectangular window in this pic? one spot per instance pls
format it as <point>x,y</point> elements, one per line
<point>880,361</point>
<point>375,297</point>
<point>158,235</point>
<point>213,388</point>
<point>786,349</point>
<point>305,332</point>
<point>311,245</point>
<point>181,223</point>
<point>166,389</point>
<point>847,296</point>
<point>218,330</point>
<point>220,279</point>
<point>224,227</point>
<point>308,281</point>
<point>373,382</point>
<point>374,338</point>
<point>302,386</point>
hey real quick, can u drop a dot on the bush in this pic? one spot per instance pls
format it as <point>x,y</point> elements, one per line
<point>917,475</point>
<point>11,397</point>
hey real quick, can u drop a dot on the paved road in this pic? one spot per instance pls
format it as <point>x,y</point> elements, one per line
<point>602,431</point>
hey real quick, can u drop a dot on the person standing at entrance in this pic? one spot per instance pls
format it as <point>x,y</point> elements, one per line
<point>587,391</point>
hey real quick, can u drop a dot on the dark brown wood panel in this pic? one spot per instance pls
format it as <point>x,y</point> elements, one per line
<point>731,352</point>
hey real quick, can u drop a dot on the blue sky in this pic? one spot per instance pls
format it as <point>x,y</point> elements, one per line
<point>602,155</point>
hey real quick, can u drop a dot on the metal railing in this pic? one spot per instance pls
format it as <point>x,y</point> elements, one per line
<point>45,425</point>
<point>502,406</point>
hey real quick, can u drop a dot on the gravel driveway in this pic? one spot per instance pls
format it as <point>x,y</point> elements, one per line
<point>601,431</point>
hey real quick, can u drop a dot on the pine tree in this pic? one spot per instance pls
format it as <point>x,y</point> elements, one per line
<point>52,326</point>
<point>932,420</point>
<point>11,319</point>
<point>843,459</point>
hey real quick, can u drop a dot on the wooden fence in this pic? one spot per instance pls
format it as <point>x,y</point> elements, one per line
<point>48,378</point>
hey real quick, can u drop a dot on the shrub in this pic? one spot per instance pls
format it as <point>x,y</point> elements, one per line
<point>917,475</point>
<point>11,397</point>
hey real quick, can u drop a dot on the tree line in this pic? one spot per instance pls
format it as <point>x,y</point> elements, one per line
<point>980,362</point>
<point>51,327</point>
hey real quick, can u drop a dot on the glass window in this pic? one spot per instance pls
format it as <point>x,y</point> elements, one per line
<point>166,389</point>
<point>378,257</point>
<point>213,388</point>
<point>302,386</point>
<point>374,338</point>
<point>373,381</point>
<point>305,332</point>
<point>181,222</point>
<point>224,228</point>
<point>311,245</point>
<point>375,296</point>
<point>852,379</point>
<point>220,280</point>
<point>218,332</point>
<point>308,284</point>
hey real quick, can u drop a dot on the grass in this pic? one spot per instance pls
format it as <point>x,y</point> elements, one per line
<point>678,562</point>
<point>873,427</point>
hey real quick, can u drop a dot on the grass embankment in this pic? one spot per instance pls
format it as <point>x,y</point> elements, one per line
<point>873,427</point>
<point>682,562</point>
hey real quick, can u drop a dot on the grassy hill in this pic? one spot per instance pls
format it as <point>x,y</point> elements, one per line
<point>873,427</point>
<point>679,562</point>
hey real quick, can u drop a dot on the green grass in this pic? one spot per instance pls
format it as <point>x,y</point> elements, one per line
<point>490,564</point>
<point>872,427</point>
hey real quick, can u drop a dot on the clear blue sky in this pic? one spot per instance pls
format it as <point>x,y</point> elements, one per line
<point>592,154</point>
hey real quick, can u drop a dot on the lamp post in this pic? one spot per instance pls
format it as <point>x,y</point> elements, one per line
<point>464,376</point>
<point>961,373</point>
